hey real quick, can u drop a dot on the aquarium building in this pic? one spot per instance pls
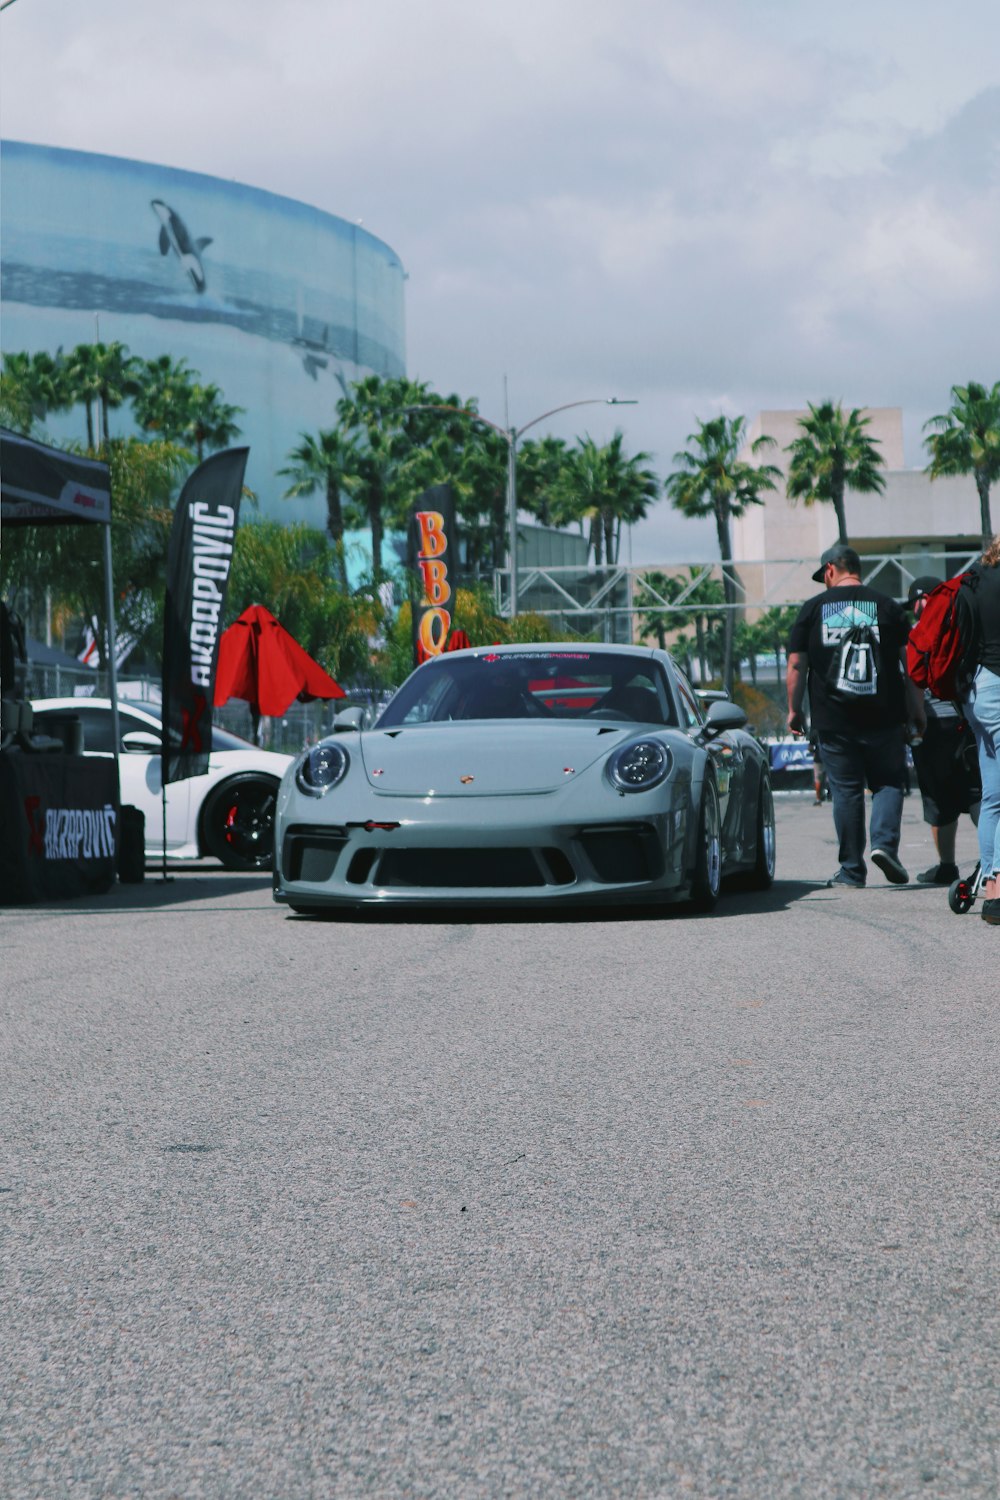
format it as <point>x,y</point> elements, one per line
<point>279,304</point>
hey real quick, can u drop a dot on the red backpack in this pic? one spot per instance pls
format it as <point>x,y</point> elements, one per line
<point>940,641</point>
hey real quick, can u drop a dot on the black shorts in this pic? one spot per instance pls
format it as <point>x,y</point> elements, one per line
<point>947,772</point>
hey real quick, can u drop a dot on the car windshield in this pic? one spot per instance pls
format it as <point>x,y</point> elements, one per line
<point>541,685</point>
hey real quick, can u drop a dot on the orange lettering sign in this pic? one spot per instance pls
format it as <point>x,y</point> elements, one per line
<point>437,589</point>
<point>432,538</point>
<point>434,627</point>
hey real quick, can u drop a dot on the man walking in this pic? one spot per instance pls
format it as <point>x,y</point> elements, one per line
<point>848,647</point>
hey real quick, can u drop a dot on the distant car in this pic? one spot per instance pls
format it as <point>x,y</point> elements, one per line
<point>228,813</point>
<point>542,775</point>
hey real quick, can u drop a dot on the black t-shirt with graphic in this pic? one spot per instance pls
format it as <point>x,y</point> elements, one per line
<point>873,695</point>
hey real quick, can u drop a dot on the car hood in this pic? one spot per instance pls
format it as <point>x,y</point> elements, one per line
<point>485,759</point>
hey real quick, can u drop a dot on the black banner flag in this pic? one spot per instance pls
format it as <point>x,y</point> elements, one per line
<point>433,557</point>
<point>199,560</point>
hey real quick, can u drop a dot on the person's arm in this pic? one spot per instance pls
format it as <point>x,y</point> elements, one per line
<point>915,710</point>
<point>798,668</point>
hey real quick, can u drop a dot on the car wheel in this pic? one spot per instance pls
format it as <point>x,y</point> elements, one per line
<point>708,854</point>
<point>761,877</point>
<point>237,822</point>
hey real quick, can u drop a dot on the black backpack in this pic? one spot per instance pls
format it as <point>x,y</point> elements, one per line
<point>852,675</point>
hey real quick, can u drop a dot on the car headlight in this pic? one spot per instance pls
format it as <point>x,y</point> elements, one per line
<point>321,768</point>
<point>639,765</point>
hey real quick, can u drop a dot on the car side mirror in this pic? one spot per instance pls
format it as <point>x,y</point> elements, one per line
<point>141,742</point>
<point>722,715</point>
<point>355,717</point>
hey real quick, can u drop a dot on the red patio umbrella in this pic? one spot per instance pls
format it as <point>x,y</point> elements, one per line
<point>260,662</point>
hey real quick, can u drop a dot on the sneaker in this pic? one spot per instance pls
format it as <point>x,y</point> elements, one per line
<point>843,879</point>
<point>991,911</point>
<point>890,867</point>
<point>938,875</point>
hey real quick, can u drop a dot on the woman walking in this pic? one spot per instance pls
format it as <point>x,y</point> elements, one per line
<point>982,709</point>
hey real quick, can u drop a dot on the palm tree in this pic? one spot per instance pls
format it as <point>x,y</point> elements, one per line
<point>713,480</point>
<point>966,440</point>
<point>211,422</point>
<point>101,373</point>
<point>699,599</point>
<point>599,485</point>
<point>385,431</point>
<point>834,454</point>
<point>33,386</point>
<point>162,399</point>
<point>324,462</point>
<point>541,465</point>
<point>774,627</point>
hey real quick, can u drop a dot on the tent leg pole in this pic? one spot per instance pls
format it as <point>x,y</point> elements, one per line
<point>112,647</point>
<point>163,803</point>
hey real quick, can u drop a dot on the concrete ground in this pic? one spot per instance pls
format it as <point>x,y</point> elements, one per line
<point>622,1206</point>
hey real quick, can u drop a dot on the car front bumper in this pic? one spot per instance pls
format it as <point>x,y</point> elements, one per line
<point>521,850</point>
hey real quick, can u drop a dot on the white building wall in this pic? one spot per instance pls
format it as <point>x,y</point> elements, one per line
<point>915,514</point>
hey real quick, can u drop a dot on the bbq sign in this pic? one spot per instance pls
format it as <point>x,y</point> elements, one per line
<point>433,562</point>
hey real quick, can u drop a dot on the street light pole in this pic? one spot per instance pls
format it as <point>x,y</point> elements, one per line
<point>511,436</point>
<point>514,434</point>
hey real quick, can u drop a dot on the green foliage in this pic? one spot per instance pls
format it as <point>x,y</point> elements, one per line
<point>101,377</point>
<point>327,462</point>
<point>69,560</point>
<point>383,437</point>
<point>833,454</point>
<point>698,599</point>
<point>966,440</point>
<point>542,476</point>
<point>163,396</point>
<point>603,488</point>
<point>32,386</point>
<point>294,572</point>
<point>765,714</point>
<point>713,480</point>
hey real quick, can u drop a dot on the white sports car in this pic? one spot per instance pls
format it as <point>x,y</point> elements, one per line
<point>228,813</point>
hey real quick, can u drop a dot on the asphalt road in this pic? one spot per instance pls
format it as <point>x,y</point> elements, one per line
<point>626,1207</point>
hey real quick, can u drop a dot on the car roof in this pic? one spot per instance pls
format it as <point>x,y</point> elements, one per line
<point>553,648</point>
<point>125,705</point>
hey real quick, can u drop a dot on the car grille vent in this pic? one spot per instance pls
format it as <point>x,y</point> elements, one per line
<point>311,854</point>
<point>459,869</point>
<point>622,855</point>
<point>360,867</point>
<point>559,869</point>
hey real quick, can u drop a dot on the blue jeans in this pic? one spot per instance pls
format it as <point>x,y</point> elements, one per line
<point>982,709</point>
<point>867,757</point>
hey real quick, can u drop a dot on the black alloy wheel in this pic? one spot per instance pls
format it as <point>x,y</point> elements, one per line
<point>237,822</point>
<point>708,853</point>
<point>761,876</point>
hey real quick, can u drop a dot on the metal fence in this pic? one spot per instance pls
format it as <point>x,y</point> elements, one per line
<point>303,723</point>
<point>609,601</point>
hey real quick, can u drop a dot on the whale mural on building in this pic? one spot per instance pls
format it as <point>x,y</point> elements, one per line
<point>174,236</point>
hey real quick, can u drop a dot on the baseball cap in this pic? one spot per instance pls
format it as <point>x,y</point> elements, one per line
<point>923,585</point>
<point>844,556</point>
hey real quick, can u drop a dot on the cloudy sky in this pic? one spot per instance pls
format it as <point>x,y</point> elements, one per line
<point>707,205</point>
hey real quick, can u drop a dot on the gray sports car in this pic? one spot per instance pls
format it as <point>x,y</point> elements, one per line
<point>529,775</point>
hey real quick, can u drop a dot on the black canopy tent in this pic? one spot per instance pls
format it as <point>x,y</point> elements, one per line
<point>43,486</point>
